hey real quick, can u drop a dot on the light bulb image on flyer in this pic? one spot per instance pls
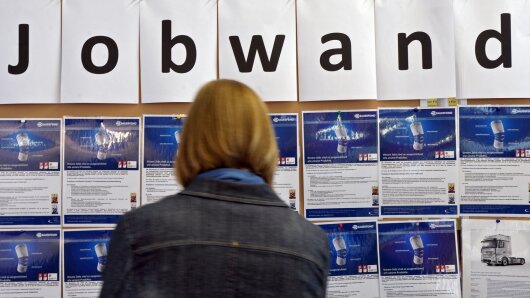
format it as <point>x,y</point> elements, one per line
<point>340,247</point>
<point>103,142</point>
<point>101,253</point>
<point>342,135</point>
<point>417,246</point>
<point>23,258</point>
<point>417,132</point>
<point>177,137</point>
<point>23,142</point>
<point>498,132</point>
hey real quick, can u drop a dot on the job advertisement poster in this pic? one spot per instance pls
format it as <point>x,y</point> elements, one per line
<point>340,165</point>
<point>84,260</point>
<point>418,259</point>
<point>30,263</point>
<point>161,142</point>
<point>418,170</point>
<point>353,264</point>
<point>30,172</point>
<point>286,181</point>
<point>495,160</point>
<point>101,178</point>
<point>494,255</point>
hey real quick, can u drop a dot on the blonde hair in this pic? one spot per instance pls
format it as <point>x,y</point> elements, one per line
<point>228,126</point>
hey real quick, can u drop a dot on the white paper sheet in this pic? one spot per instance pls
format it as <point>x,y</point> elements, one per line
<point>105,33</point>
<point>416,79</point>
<point>267,23</point>
<point>336,49</point>
<point>32,58</point>
<point>190,46</point>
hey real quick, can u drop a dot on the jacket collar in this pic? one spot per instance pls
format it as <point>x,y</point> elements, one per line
<point>231,174</point>
<point>245,193</point>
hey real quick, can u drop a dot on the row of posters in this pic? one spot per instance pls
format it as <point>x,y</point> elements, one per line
<point>420,259</point>
<point>393,162</point>
<point>95,176</point>
<point>393,259</point>
<point>417,162</point>
<point>367,259</point>
<point>36,263</point>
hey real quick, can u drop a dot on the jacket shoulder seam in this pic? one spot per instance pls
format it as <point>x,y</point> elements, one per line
<point>235,198</point>
<point>234,244</point>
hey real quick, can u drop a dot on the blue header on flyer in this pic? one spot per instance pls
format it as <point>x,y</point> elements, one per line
<point>495,132</point>
<point>417,134</point>
<point>340,137</point>
<point>85,254</point>
<point>101,144</point>
<point>30,145</point>
<point>353,248</point>
<point>286,131</point>
<point>161,140</point>
<point>418,248</point>
<point>30,255</point>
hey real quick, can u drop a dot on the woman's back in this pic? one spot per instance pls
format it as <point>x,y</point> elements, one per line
<point>217,239</point>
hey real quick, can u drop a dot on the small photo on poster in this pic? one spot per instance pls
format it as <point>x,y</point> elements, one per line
<point>353,246</point>
<point>417,134</point>
<point>85,254</point>
<point>101,143</point>
<point>26,255</point>
<point>494,131</point>
<point>29,145</point>
<point>418,248</point>
<point>340,137</point>
<point>30,263</point>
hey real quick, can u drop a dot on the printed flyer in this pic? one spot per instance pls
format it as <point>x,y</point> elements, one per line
<point>101,178</point>
<point>161,141</point>
<point>30,172</point>
<point>494,256</point>
<point>353,264</point>
<point>418,259</point>
<point>340,165</point>
<point>84,259</point>
<point>286,180</point>
<point>30,263</point>
<point>418,170</point>
<point>495,160</point>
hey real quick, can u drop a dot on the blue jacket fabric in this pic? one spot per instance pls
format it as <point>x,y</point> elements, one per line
<point>217,239</point>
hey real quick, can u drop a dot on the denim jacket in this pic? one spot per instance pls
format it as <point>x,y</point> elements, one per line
<point>217,239</point>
